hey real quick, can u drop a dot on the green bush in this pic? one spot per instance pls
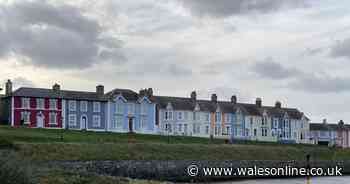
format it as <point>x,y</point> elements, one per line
<point>6,144</point>
<point>14,170</point>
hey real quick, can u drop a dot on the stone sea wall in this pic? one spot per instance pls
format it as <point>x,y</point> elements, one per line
<point>186,170</point>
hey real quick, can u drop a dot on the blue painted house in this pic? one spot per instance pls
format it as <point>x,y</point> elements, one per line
<point>129,111</point>
<point>85,110</point>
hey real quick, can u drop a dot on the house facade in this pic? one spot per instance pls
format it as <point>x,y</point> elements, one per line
<point>129,111</point>
<point>325,133</point>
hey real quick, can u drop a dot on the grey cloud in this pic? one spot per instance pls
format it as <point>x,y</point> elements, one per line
<point>20,82</point>
<point>320,84</point>
<point>273,70</point>
<point>54,36</point>
<point>341,49</point>
<point>225,8</point>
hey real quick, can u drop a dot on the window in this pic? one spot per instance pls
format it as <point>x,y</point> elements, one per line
<point>143,108</point>
<point>196,116</point>
<point>207,117</point>
<point>83,106</point>
<point>206,129</point>
<point>180,115</point>
<point>25,116</point>
<point>96,121</point>
<point>119,108</point>
<point>53,118</point>
<point>40,103</point>
<point>72,105</point>
<point>118,121</point>
<point>72,120</point>
<point>255,132</point>
<point>168,128</point>
<point>275,123</point>
<point>247,132</point>
<point>143,122</point>
<point>228,130</point>
<point>97,107</point>
<point>185,128</point>
<point>26,103</point>
<point>168,115</point>
<point>218,117</point>
<point>180,127</point>
<point>228,118</point>
<point>53,104</point>
<point>264,132</point>
<point>251,120</point>
<point>186,115</point>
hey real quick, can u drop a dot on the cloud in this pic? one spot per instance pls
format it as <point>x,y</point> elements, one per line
<point>320,84</point>
<point>20,82</point>
<point>226,8</point>
<point>341,49</point>
<point>273,70</point>
<point>54,36</point>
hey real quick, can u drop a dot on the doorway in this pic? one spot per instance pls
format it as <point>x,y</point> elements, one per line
<point>83,123</point>
<point>40,120</point>
<point>131,125</point>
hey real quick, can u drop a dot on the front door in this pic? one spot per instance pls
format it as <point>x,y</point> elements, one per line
<point>131,125</point>
<point>40,120</point>
<point>83,123</point>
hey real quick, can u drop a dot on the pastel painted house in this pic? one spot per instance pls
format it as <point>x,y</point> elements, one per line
<point>330,134</point>
<point>129,111</point>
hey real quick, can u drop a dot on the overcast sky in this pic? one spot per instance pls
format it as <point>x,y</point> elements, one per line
<point>295,51</point>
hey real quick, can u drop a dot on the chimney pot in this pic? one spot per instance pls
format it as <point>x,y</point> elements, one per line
<point>56,87</point>
<point>8,87</point>
<point>193,96</point>
<point>100,90</point>
<point>324,121</point>
<point>234,99</point>
<point>278,104</point>
<point>214,98</point>
<point>258,102</point>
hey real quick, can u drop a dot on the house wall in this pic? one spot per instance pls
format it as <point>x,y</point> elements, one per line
<point>150,127</point>
<point>33,110</point>
<point>78,112</point>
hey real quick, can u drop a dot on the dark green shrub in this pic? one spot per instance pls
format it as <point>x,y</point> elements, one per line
<point>14,170</point>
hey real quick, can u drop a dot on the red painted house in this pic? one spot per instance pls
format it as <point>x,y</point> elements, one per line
<point>35,107</point>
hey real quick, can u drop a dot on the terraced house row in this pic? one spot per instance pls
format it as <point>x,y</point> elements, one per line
<point>123,110</point>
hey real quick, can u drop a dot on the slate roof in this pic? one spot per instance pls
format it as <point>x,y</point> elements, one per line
<point>63,94</point>
<point>327,127</point>
<point>181,103</point>
<point>128,94</point>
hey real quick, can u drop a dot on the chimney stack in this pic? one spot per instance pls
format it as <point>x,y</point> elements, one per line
<point>341,123</point>
<point>193,96</point>
<point>56,87</point>
<point>100,90</point>
<point>234,99</point>
<point>258,102</point>
<point>324,121</point>
<point>214,98</point>
<point>150,92</point>
<point>278,104</point>
<point>8,87</point>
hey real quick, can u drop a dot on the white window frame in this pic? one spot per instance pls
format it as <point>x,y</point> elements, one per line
<point>51,102</point>
<point>25,116</point>
<point>96,121</point>
<point>72,105</point>
<point>143,108</point>
<point>143,122</point>
<point>96,106</point>
<point>168,115</point>
<point>84,106</point>
<point>180,115</point>
<point>55,118</point>
<point>119,120</point>
<point>40,103</point>
<point>119,108</point>
<point>72,120</point>
<point>25,103</point>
